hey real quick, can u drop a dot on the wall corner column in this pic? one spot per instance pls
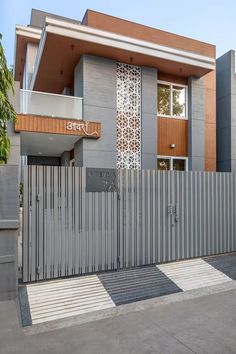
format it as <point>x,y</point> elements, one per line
<point>196,124</point>
<point>149,134</point>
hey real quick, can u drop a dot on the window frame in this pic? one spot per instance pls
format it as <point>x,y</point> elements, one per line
<point>171,84</point>
<point>171,158</point>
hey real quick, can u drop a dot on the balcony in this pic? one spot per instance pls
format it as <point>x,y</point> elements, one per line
<point>50,105</point>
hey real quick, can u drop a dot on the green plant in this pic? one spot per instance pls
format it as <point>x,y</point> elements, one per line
<point>7,112</point>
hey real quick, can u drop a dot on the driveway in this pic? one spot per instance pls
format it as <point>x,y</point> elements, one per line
<point>205,324</point>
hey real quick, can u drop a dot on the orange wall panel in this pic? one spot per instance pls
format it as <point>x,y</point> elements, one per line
<point>135,30</point>
<point>210,121</point>
<point>42,124</point>
<point>172,131</point>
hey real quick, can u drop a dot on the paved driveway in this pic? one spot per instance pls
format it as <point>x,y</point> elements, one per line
<point>206,324</point>
<point>80,296</point>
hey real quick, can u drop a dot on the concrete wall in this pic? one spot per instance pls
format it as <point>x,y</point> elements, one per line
<point>149,118</point>
<point>95,81</point>
<point>226,112</point>
<point>196,125</point>
<point>9,209</point>
<point>65,158</point>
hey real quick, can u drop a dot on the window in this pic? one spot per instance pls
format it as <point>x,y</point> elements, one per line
<point>163,164</point>
<point>164,100</point>
<point>172,163</point>
<point>172,100</point>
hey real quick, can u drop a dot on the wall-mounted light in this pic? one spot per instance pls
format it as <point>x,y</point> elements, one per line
<point>172,146</point>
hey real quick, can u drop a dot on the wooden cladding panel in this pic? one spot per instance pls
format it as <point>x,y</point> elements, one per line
<point>210,121</point>
<point>135,30</point>
<point>42,124</point>
<point>172,131</point>
<point>172,78</point>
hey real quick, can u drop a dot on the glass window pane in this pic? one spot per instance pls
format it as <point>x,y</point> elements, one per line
<point>179,165</point>
<point>163,164</point>
<point>163,100</point>
<point>179,101</point>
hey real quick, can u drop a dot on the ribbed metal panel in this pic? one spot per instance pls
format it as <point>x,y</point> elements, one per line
<point>166,216</point>
<point>158,217</point>
<point>67,231</point>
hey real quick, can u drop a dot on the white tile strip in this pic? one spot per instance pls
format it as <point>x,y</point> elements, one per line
<point>67,297</point>
<point>193,274</point>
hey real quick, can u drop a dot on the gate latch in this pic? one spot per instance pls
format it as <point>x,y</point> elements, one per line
<point>171,210</point>
<point>38,197</point>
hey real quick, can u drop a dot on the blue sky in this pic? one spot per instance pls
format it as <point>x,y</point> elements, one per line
<point>212,21</point>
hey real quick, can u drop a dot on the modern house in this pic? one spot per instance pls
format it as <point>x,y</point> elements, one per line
<point>106,92</point>
<point>226,112</point>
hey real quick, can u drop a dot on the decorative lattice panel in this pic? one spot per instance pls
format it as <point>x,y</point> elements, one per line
<point>128,116</point>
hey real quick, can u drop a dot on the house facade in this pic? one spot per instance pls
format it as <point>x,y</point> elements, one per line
<point>106,92</point>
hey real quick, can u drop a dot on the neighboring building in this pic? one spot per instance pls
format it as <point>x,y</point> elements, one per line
<point>226,112</point>
<point>147,98</point>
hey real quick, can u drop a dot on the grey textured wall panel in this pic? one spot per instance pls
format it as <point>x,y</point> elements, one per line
<point>8,288</point>
<point>149,135</point>
<point>9,190</point>
<point>149,118</point>
<point>226,112</point>
<point>65,158</point>
<point>79,153</point>
<point>196,127</point>
<point>95,80</point>
<point>9,194</point>
<point>79,79</point>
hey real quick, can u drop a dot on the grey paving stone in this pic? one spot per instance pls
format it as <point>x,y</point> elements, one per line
<point>131,285</point>
<point>224,263</point>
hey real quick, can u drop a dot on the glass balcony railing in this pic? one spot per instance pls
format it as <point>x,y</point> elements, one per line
<point>51,105</point>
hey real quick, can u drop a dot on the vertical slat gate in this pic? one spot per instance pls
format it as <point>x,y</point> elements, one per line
<point>153,217</point>
<point>67,231</point>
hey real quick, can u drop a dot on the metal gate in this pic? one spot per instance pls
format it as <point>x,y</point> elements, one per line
<point>67,230</point>
<point>150,217</point>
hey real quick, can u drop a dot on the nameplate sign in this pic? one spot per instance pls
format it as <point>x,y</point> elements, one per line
<point>83,127</point>
<point>101,180</point>
<point>54,125</point>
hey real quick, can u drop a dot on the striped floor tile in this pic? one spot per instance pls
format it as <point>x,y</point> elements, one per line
<point>225,263</point>
<point>132,285</point>
<point>67,297</point>
<point>193,274</point>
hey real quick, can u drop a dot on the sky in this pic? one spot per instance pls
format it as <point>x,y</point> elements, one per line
<point>212,21</point>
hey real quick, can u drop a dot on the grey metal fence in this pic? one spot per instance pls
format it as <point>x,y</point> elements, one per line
<point>67,231</point>
<point>166,216</point>
<point>153,217</point>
